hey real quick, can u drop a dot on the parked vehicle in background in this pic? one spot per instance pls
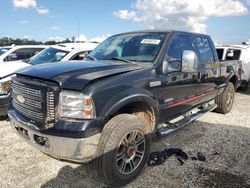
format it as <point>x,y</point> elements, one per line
<point>19,52</point>
<point>60,52</point>
<point>4,49</point>
<point>106,109</point>
<point>63,52</point>
<point>237,52</point>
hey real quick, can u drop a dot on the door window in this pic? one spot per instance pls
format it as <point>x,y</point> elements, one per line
<point>80,56</point>
<point>233,54</point>
<point>178,44</point>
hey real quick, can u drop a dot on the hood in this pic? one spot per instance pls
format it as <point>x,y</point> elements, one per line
<point>8,68</point>
<point>75,75</point>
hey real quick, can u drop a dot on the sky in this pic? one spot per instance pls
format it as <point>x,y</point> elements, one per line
<point>226,21</point>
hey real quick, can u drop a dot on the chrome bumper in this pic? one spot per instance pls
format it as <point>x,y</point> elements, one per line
<point>71,149</point>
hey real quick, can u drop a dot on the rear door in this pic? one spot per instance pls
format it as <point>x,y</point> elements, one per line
<point>208,68</point>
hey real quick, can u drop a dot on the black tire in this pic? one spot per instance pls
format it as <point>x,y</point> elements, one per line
<point>111,143</point>
<point>226,99</point>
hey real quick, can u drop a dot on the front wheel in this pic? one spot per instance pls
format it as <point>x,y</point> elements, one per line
<point>226,99</point>
<point>123,150</point>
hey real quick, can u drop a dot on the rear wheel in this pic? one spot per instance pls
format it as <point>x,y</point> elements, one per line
<point>123,150</point>
<point>226,99</point>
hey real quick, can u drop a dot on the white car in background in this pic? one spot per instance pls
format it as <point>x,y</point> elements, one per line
<point>55,53</point>
<point>237,52</point>
<point>63,52</point>
<point>19,52</point>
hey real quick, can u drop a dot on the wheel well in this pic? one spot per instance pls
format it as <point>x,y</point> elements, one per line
<point>233,80</point>
<point>142,110</point>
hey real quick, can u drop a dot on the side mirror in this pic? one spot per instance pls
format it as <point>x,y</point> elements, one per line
<point>165,67</point>
<point>189,61</point>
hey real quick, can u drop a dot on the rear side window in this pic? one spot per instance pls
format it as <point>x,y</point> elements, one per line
<point>21,54</point>
<point>178,44</point>
<point>233,54</point>
<point>204,49</point>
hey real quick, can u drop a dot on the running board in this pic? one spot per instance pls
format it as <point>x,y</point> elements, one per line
<point>171,127</point>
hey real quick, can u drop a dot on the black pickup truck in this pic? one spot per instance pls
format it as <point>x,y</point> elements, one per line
<point>132,86</point>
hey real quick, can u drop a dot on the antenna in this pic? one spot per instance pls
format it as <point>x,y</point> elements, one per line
<point>78,33</point>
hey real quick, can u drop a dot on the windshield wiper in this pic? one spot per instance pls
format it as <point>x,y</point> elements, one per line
<point>120,59</point>
<point>91,57</point>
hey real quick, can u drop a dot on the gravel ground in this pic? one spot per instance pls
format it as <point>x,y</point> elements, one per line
<point>223,139</point>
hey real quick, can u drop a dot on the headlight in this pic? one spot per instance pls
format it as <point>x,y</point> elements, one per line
<point>76,105</point>
<point>5,87</point>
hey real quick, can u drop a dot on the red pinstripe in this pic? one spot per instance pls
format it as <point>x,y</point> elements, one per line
<point>190,99</point>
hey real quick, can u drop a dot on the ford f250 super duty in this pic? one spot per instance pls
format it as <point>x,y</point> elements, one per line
<point>132,86</point>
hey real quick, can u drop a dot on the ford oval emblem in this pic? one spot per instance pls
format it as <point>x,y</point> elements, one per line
<point>20,99</point>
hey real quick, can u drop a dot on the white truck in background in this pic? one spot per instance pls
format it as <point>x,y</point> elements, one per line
<point>55,53</point>
<point>237,52</point>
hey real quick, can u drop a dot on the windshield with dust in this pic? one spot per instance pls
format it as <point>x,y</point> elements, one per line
<point>136,47</point>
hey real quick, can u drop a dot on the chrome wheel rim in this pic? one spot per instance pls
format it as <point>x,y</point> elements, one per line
<point>230,98</point>
<point>130,152</point>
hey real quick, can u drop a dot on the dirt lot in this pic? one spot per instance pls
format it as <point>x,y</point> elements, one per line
<point>223,139</point>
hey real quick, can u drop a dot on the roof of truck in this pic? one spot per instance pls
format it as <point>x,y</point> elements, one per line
<point>164,31</point>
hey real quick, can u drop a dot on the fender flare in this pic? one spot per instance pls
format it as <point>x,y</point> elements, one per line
<point>128,97</point>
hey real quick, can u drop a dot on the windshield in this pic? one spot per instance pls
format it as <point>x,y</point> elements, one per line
<point>3,50</point>
<point>136,47</point>
<point>48,55</point>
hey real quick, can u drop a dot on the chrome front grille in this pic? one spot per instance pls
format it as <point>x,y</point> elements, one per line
<point>27,91</point>
<point>29,113</point>
<point>34,100</point>
<point>30,102</point>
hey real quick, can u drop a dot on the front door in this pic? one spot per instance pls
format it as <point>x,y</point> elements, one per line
<point>178,90</point>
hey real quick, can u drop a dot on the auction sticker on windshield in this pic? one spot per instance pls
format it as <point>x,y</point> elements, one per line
<point>151,41</point>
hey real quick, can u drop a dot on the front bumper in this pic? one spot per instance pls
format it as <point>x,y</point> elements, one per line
<point>4,102</point>
<point>71,149</point>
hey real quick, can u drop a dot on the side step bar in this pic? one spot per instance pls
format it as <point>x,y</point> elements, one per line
<point>171,127</point>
